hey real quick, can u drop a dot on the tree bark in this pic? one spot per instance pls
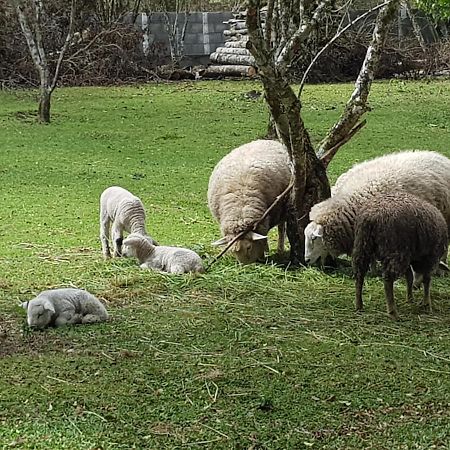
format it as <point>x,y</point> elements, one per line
<point>310,180</point>
<point>44,106</point>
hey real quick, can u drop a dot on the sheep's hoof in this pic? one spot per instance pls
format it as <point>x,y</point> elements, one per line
<point>394,315</point>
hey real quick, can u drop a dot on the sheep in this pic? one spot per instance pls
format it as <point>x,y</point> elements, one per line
<point>241,188</point>
<point>161,258</point>
<point>397,229</point>
<point>120,211</point>
<point>66,306</point>
<point>425,174</point>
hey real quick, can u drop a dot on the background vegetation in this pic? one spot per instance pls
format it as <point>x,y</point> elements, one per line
<point>243,357</point>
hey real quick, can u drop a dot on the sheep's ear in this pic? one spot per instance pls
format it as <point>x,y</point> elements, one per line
<point>221,241</point>
<point>132,241</point>
<point>24,305</point>
<point>49,306</point>
<point>318,232</point>
<point>256,236</point>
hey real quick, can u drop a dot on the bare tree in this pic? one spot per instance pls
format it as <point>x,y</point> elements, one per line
<point>30,14</point>
<point>176,30</point>
<point>289,24</point>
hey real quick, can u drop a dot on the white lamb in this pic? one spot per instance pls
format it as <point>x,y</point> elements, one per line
<point>161,258</point>
<point>66,306</point>
<point>120,211</point>
<point>424,174</point>
<point>241,188</point>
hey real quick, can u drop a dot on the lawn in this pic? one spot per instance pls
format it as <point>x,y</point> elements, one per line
<point>243,357</point>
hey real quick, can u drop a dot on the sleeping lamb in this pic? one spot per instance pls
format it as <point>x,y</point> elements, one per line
<point>241,188</point>
<point>161,258</point>
<point>120,211</point>
<point>64,306</point>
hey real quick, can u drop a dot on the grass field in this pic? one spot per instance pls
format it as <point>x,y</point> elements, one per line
<point>253,357</point>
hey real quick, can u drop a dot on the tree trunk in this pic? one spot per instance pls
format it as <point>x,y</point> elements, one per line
<point>44,106</point>
<point>311,183</point>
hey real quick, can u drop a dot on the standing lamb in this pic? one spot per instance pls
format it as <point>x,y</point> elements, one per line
<point>66,306</point>
<point>161,258</point>
<point>241,188</point>
<point>399,230</point>
<point>424,174</point>
<point>120,211</point>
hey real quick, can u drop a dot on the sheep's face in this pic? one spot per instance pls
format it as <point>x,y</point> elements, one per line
<point>128,251</point>
<point>314,245</point>
<point>249,249</point>
<point>39,313</point>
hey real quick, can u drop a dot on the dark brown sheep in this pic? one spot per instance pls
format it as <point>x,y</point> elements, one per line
<point>401,231</point>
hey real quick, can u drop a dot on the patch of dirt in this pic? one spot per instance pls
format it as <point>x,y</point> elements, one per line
<point>17,339</point>
<point>365,422</point>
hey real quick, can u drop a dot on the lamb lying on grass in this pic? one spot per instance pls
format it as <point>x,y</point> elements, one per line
<point>67,306</point>
<point>161,258</point>
<point>120,211</point>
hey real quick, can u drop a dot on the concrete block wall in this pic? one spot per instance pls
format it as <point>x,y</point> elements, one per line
<point>204,32</point>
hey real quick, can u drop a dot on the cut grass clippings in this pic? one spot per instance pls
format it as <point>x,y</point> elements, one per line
<point>258,356</point>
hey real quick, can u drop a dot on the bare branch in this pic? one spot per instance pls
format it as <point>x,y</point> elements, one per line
<point>333,39</point>
<point>303,32</point>
<point>64,48</point>
<point>357,105</point>
<point>328,156</point>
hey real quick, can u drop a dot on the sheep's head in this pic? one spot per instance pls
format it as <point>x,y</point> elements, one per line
<point>39,312</point>
<point>249,249</point>
<point>137,246</point>
<point>314,244</point>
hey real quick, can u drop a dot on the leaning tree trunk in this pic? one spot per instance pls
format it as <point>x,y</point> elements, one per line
<point>311,183</point>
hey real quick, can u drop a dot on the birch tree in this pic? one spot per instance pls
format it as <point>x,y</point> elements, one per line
<point>289,24</point>
<point>30,15</point>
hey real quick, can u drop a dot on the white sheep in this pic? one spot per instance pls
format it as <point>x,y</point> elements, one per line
<point>120,211</point>
<point>161,258</point>
<point>424,174</point>
<point>241,188</point>
<point>66,306</point>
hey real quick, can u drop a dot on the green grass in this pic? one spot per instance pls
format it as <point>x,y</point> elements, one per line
<point>243,357</point>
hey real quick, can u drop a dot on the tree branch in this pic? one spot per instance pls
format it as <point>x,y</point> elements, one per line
<point>357,105</point>
<point>64,48</point>
<point>302,33</point>
<point>333,39</point>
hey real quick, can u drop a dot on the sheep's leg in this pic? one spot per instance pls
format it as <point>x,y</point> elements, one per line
<point>90,318</point>
<point>117,238</point>
<point>105,224</point>
<point>409,284</point>
<point>390,302</point>
<point>426,291</point>
<point>67,318</point>
<point>281,237</point>
<point>359,283</point>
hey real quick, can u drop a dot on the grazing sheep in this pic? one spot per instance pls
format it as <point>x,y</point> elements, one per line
<point>241,188</point>
<point>399,230</point>
<point>120,211</point>
<point>161,258</point>
<point>424,174</point>
<point>67,306</point>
